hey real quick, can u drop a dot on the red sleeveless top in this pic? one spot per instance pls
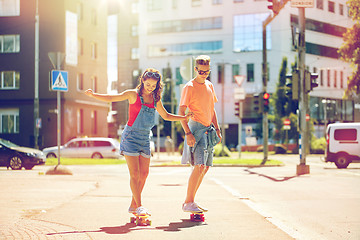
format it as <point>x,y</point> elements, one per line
<point>134,110</point>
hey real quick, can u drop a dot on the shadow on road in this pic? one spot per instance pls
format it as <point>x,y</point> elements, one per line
<point>129,227</point>
<point>278,179</point>
<point>177,226</point>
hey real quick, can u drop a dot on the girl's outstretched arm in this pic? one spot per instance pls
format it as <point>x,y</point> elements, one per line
<point>169,116</point>
<point>130,95</point>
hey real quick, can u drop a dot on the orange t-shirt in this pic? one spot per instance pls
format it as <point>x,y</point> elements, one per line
<point>200,99</point>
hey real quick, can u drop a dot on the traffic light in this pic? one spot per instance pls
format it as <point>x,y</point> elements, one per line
<point>266,98</point>
<point>310,81</point>
<point>258,103</point>
<point>274,6</point>
<point>292,85</point>
<point>237,109</point>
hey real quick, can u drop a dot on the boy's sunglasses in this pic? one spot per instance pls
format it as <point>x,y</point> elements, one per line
<point>203,72</point>
<point>152,75</point>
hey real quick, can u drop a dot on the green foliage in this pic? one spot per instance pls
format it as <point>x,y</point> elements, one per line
<point>318,145</point>
<point>219,153</point>
<point>350,49</point>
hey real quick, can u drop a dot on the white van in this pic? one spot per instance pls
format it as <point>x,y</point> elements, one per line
<point>343,144</point>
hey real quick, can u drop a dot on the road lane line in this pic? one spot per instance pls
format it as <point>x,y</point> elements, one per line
<point>278,223</point>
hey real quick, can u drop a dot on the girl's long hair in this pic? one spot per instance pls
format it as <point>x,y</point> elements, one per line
<point>159,85</point>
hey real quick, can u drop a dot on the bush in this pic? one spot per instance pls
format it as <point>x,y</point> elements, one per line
<point>318,146</point>
<point>280,149</point>
<point>219,153</point>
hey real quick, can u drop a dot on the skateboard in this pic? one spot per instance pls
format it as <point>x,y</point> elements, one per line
<point>197,217</point>
<point>140,220</point>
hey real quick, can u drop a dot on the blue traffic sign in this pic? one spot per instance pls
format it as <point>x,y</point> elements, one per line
<point>59,80</point>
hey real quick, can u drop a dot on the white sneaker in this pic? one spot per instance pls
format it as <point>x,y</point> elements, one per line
<point>191,207</point>
<point>132,210</point>
<point>201,208</point>
<point>141,211</point>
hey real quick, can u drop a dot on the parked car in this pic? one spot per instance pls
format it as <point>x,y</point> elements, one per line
<point>16,157</point>
<point>93,147</point>
<point>343,144</point>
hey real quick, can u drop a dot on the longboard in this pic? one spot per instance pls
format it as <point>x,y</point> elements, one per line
<point>140,220</point>
<point>197,217</point>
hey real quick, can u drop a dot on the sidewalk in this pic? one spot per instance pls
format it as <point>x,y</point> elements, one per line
<point>92,204</point>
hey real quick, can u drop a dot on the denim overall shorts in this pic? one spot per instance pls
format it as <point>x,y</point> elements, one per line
<point>135,139</point>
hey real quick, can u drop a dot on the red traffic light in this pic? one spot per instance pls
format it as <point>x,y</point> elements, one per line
<point>266,96</point>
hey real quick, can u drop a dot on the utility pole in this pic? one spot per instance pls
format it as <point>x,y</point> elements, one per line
<point>36,78</point>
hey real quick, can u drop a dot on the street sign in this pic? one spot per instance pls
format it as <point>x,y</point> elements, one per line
<point>302,3</point>
<point>186,69</point>
<point>239,79</point>
<point>59,80</point>
<point>286,122</point>
<point>239,93</point>
<point>287,127</point>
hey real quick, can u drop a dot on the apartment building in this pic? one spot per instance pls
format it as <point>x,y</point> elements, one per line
<point>78,30</point>
<point>230,31</point>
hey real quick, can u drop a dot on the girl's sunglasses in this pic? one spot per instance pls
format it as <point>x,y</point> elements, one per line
<point>152,75</point>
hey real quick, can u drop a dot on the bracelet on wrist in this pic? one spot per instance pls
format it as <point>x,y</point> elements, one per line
<point>217,129</point>
<point>188,133</point>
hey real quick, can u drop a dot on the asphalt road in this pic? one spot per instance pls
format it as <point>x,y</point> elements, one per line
<point>244,203</point>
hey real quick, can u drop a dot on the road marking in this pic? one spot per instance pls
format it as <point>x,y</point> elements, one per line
<point>278,223</point>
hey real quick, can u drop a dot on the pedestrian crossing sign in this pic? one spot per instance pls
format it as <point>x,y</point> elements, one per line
<point>59,80</point>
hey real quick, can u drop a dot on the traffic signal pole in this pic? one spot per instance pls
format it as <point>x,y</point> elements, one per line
<point>302,168</point>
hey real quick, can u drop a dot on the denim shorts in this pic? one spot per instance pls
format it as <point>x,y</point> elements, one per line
<point>201,154</point>
<point>135,142</point>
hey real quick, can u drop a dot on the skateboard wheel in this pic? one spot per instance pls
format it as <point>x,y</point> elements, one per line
<point>132,219</point>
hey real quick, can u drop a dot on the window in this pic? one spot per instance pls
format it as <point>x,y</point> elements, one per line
<point>345,134</point>
<point>320,4</point>
<point>238,1</point>
<point>135,54</point>
<point>194,48</point>
<point>335,79</point>
<point>154,5</point>
<point>195,3</point>
<point>80,81</point>
<point>248,32</point>
<point>94,83</point>
<point>341,9</point>
<point>9,80</point>
<point>174,4</point>
<point>321,77</point>
<point>328,77</point>
<point>135,8</point>
<point>94,122</point>
<point>135,30</point>
<point>235,71</point>
<point>9,43</point>
<point>94,17</point>
<point>80,121</point>
<point>341,79</point>
<point>220,73</point>
<point>179,79</point>
<point>331,6</point>
<point>93,50</point>
<point>9,8</point>
<point>81,47</point>
<point>9,120</point>
<point>80,11</point>
<point>216,2</point>
<point>195,24</point>
<point>102,144</point>
<point>250,72</point>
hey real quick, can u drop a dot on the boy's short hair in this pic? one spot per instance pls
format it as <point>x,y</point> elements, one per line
<point>202,60</point>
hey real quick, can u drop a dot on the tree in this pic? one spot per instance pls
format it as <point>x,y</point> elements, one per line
<point>350,49</point>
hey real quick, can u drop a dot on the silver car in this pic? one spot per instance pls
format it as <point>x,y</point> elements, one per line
<point>93,147</point>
